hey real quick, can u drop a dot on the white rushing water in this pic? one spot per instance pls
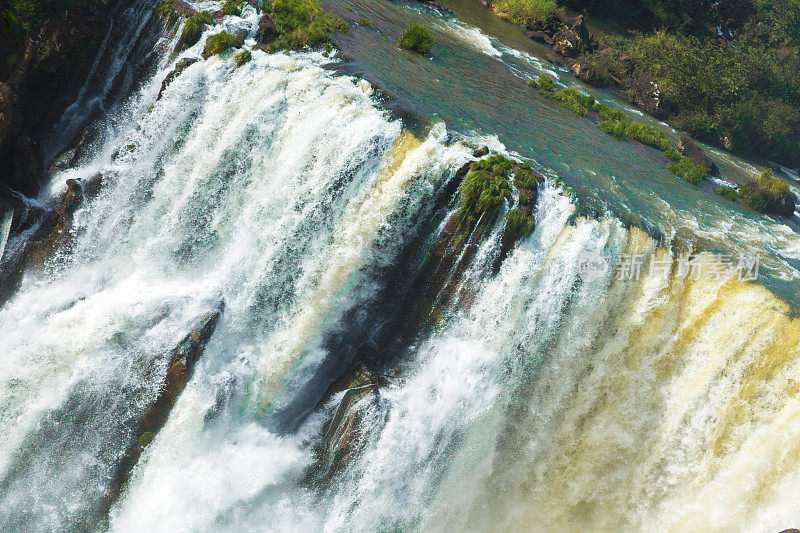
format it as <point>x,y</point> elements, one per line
<point>550,403</point>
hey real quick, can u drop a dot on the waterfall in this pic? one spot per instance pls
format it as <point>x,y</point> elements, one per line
<point>539,400</point>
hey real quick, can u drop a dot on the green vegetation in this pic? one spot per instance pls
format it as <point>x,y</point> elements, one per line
<point>518,225</point>
<point>417,38</point>
<point>741,92</point>
<point>729,193</point>
<point>364,21</point>
<point>301,23</point>
<point>29,15</point>
<point>482,193</point>
<point>768,193</point>
<point>617,124</point>
<point>545,85</point>
<point>219,43</point>
<point>486,187</point>
<point>575,100</point>
<point>242,57</point>
<point>689,171</point>
<point>145,439</point>
<point>193,29</point>
<point>525,12</point>
<point>525,179</point>
<point>166,11</point>
<point>233,7</point>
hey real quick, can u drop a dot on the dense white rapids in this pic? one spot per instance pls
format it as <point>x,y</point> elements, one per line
<point>549,404</point>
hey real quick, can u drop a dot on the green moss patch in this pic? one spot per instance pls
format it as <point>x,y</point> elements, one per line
<point>193,29</point>
<point>416,38</point>
<point>486,187</point>
<point>518,225</point>
<point>219,43</point>
<point>166,11</point>
<point>233,7</point>
<point>301,23</point>
<point>145,439</point>
<point>242,58</point>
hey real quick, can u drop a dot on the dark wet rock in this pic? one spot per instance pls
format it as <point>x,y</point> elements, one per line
<point>27,160</point>
<point>692,150</point>
<point>180,66</point>
<point>267,31</point>
<point>6,111</point>
<point>54,232</point>
<point>39,75</point>
<point>343,435</point>
<point>646,94</point>
<point>181,367</point>
<point>64,160</point>
<point>480,152</point>
<point>238,31</point>
<point>540,37</point>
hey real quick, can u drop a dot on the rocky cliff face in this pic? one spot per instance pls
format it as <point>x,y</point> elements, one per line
<point>43,67</point>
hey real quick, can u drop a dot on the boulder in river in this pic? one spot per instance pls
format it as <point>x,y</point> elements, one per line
<point>692,150</point>
<point>341,439</point>
<point>267,31</point>
<point>54,232</point>
<point>646,93</point>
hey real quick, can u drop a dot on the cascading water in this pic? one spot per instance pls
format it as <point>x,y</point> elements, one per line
<point>537,400</point>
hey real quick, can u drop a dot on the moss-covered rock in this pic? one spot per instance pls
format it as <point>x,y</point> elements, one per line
<point>518,225</point>
<point>242,58</point>
<point>193,29</point>
<point>219,43</point>
<point>296,24</point>
<point>769,194</point>
<point>233,7</point>
<point>166,12</point>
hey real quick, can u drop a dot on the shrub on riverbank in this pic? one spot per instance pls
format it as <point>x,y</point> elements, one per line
<point>219,43</point>
<point>417,38</point>
<point>301,23</point>
<point>742,94</point>
<point>527,13</point>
